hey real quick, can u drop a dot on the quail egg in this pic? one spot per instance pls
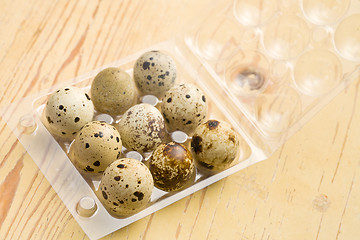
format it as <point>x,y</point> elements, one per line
<point>214,145</point>
<point>142,128</point>
<point>184,108</point>
<point>154,73</point>
<point>112,91</point>
<point>96,145</point>
<point>171,166</point>
<point>126,187</point>
<point>67,111</point>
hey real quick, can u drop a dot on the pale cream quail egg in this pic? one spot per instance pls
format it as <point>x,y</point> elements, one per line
<point>126,187</point>
<point>96,145</point>
<point>113,91</point>
<point>214,145</point>
<point>67,111</point>
<point>142,128</point>
<point>154,73</point>
<point>171,166</point>
<point>184,108</point>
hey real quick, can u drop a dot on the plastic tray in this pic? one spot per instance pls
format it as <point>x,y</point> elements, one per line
<point>264,69</point>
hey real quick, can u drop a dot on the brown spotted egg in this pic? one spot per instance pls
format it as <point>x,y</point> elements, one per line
<point>126,187</point>
<point>67,111</point>
<point>142,128</point>
<point>214,145</point>
<point>171,166</point>
<point>184,108</point>
<point>154,73</point>
<point>113,91</point>
<point>96,145</point>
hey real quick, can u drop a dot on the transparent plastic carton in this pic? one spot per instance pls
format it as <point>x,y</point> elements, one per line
<point>264,69</point>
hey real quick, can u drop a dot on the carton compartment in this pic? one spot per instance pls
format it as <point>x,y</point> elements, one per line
<point>323,12</point>
<point>317,72</point>
<point>347,38</point>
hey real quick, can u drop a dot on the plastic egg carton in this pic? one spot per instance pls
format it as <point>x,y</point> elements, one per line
<point>265,68</point>
<point>79,190</point>
<point>278,63</point>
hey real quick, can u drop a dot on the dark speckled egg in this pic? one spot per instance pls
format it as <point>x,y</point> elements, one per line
<point>67,111</point>
<point>214,145</point>
<point>142,128</point>
<point>154,73</point>
<point>171,166</point>
<point>96,145</point>
<point>184,108</point>
<point>126,187</point>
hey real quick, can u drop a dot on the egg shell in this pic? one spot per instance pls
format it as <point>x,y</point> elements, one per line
<point>171,166</point>
<point>214,145</point>
<point>113,91</point>
<point>142,128</point>
<point>184,108</point>
<point>67,111</point>
<point>96,146</point>
<point>126,187</point>
<point>154,73</point>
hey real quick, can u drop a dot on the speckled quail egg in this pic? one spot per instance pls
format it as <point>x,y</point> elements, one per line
<point>126,187</point>
<point>184,108</point>
<point>142,128</point>
<point>171,166</point>
<point>214,145</point>
<point>67,111</point>
<point>96,145</point>
<point>154,73</point>
<point>112,91</point>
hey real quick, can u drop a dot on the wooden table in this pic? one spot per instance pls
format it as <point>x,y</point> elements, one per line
<point>308,189</point>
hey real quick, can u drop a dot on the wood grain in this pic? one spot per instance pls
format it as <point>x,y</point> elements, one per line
<point>308,189</point>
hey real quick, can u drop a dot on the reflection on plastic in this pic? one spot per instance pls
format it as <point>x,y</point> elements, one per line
<point>286,37</point>
<point>27,124</point>
<point>86,207</point>
<point>317,72</point>
<point>150,99</point>
<point>105,118</point>
<point>324,11</point>
<point>179,136</point>
<point>135,155</point>
<point>277,108</point>
<point>255,12</point>
<point>347,38</point>
<point>214,40</point>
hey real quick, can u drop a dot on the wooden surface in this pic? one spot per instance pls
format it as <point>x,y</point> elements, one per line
<point>308,189</point>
